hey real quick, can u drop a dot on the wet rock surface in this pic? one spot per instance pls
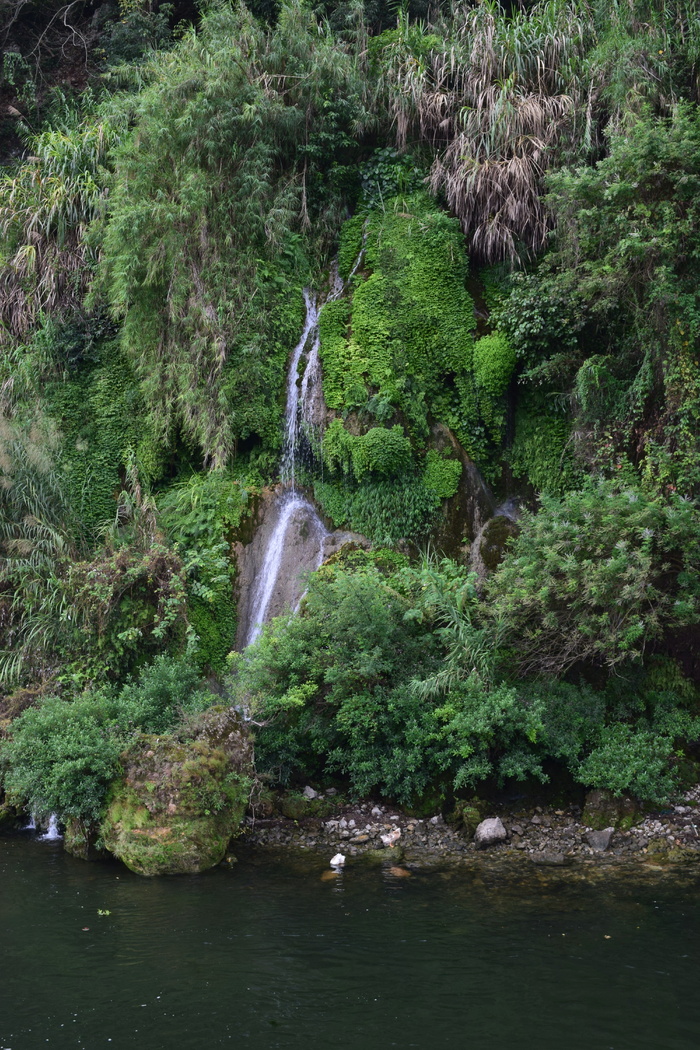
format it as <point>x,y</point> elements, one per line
<point>377,833</point>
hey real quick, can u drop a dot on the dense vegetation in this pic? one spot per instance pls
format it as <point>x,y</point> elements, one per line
<point>510,194</point>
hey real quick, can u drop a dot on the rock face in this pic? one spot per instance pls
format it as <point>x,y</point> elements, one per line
<point>304,545</point>
<point>603,810</point>
<point>465,514</point>
<point>489,832</point>
<point>179,803</point>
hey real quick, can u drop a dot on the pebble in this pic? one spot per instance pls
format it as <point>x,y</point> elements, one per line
<point>535,833</point>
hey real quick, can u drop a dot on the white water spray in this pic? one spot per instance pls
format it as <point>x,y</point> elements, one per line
<point>52,833</point>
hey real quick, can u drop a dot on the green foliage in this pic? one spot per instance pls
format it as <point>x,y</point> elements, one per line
<point>101,415</point>
<point>165,692</point>
<point>349,245</point>
<point>441,475</point>
<point>495,100</point>
<point>62,755</point>
<point>200,255</point>
<point>494,364</point>
<point>411,318</point>
<point>391,676</point>
<point>90,617</point>
<point>141,27</point>
<point>387,175</point>
<point>332,683</point>
<point>597,576</point>
<point>201,516</point>
<point>541,451</point>
<point>611,317</point>
<point>385,511</point>
<point>380,451</point>
<point>46,206</point>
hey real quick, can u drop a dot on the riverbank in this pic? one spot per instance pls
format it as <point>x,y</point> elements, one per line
<point>373,833</point>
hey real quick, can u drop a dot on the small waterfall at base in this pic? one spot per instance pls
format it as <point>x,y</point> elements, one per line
<point>52,833</point>
<point>30,825</point>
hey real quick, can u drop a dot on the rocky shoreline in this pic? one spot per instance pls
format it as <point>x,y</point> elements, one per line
<point>603,831</point>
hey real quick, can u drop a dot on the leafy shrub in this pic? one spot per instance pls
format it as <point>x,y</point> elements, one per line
<point>202,516</point>
<point>406,337</point>
<point>379,451</point>
<point>62,755</point>
<point>393,676</point>
<point>597,576</point>
<point>542,451</point>
<point>494,364</point>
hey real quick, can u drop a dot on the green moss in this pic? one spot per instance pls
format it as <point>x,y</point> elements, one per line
<point>176,808</point>
<point>441,475</point>
<point>412,319</point>
<point>350,244</point>
<point>385,511</point>
<point>494,364</point>
<point>99,411</point>
<point>541,450</point>
<point>380,451</point>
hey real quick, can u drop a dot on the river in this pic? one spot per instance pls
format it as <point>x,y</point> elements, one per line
<point>267,954</point>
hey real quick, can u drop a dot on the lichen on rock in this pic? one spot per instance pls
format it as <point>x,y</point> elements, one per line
<point>181,798</point>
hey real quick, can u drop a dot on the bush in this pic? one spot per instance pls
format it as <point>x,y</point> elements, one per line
<point>62,755</point>
<point>597,576</point>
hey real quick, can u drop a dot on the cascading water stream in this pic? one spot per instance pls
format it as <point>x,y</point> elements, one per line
<point>52,833</point>
<point>296,517</point>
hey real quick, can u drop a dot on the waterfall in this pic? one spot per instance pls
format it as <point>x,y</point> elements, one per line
<point>291,414</point>
<point>292,539</point>
<point>297,538</point>
<point>52,833</point>
<point>30,825</point>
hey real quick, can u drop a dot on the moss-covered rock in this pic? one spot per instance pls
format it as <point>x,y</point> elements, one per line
<point>603,810</point>
<point>380,857</point>
<point>494,540</point>
<point>295,806</point>
<point>180,801</point>
<point>467,815</point>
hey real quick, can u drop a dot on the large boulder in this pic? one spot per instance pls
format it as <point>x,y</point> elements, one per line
<point>181,800</point>
<point>490,832</point>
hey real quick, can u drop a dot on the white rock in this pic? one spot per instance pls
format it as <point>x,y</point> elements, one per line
<point>376,811</point>
<point>489,832</point>
<point>351,823</point>
<point>309,792</point>
<point>337,861</point>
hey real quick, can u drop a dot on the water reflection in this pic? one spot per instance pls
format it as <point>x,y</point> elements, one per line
<point>271,955</point>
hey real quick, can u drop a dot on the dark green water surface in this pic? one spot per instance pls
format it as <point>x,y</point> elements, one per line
<point>268,955</point>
